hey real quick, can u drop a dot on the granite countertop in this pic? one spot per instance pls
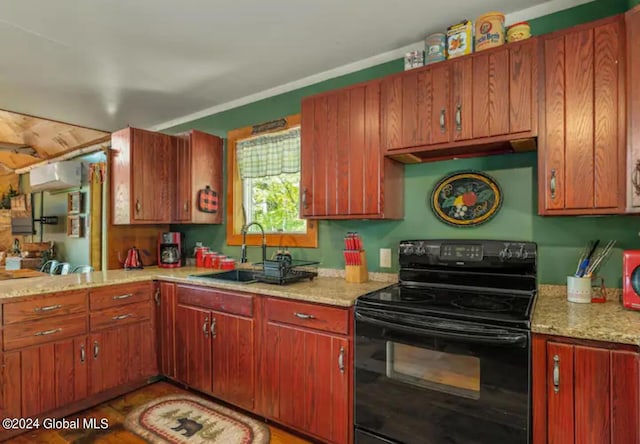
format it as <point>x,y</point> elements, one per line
<point>331,290</point>
<point>609,321</point>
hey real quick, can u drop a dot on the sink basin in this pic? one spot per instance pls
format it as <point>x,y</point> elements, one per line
<point>238,276</point>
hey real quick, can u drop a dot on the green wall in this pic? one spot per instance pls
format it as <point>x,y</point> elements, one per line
<point>559,238</point>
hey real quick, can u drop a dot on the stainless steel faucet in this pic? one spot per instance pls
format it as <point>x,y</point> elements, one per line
<point>244,230</point>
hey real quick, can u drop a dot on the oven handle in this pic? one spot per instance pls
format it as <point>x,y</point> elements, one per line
<point>512,339</point>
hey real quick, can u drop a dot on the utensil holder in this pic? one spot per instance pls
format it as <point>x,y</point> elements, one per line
<point>579,289</point>
<point>357,273</point>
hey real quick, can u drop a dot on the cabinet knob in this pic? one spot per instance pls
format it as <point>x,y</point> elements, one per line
<point>556,373</point>
<point>552,184</point>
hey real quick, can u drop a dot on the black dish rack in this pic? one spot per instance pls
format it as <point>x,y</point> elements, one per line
<point>284,270</point>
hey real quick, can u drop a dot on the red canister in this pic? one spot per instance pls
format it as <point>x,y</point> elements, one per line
<point>200,251</point>
<point>228,264</point>
<point>208,259</point>
<point>219,260</point>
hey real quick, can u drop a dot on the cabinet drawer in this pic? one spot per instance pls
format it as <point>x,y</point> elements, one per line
<point>218,300</point>
<point>38,332</point>
<point>119,295</point>
<point>44,307</point>
<point>320,317</point>
<point>122,315</point>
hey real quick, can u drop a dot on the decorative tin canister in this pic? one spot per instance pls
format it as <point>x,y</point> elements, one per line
<point>413,59</point>
<point>489,31</point>
<point>435,48</point>
<point>460,39</point>
<point>518,31</point>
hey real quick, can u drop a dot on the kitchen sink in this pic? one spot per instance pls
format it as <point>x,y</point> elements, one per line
<point>238,276</point>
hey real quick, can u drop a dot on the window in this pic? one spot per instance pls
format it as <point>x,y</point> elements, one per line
<point>264,185</point>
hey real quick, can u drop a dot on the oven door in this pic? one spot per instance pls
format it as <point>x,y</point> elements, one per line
<point>427,380</point>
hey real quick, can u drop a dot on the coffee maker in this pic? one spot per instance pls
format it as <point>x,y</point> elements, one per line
<point>170,250</point>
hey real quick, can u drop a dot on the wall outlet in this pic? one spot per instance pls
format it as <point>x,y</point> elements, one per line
<point>385,258</point>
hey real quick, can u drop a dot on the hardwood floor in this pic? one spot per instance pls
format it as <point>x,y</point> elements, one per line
<point>115,411</point>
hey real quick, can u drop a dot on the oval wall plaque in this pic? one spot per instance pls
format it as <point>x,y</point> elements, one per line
<point>466,198</point>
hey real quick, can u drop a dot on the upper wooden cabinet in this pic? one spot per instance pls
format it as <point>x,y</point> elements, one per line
<point>466,106</point>
<point>581,152</point>
<point>142,177</point>
<point>633,107</point>
<point>199,165</point>
<point>344,174</point>
<point>155,178</point>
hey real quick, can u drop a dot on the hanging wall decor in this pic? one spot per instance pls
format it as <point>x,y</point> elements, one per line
<point>466,198</point>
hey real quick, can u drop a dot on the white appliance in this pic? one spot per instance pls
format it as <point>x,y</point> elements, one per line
<point>56,176</point>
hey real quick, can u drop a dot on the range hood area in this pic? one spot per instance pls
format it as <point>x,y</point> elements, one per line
<point>56,176</point>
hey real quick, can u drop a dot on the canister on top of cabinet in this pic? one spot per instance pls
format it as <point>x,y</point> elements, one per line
<point>435,48</point>
<point>460,39</point>
<point>518,31</point>
<point>489,31</point>
<point>413,59</point>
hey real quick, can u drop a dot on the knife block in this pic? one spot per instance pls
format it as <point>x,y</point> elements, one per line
<point>357,273</point>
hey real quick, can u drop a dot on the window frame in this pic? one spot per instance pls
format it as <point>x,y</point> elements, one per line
<point>235,215</point>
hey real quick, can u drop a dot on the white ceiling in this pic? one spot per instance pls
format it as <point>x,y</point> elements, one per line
<point>111,63</point>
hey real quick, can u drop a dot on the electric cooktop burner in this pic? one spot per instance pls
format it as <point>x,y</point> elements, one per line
<point>482,303</point>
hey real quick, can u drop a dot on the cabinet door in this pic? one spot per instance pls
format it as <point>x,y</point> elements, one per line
<point>592,395</point>
<point>10,401</point>
<point>441,117</point>
<point>560,395</point>
<point>491,94</point>
<point>341,169</point>
<point>307,381</point>
<point>633,107</point>
<point>153,166</point>
<point>193,347</point>
<point>625,397</point>
<point>206,171</point>
<point>121,355</point>
<point>233,359</point>
<point>182,207</point>
<point>581,152</point>
<point>52,376</point>
<point>462,91</point>
<point>166,329</point>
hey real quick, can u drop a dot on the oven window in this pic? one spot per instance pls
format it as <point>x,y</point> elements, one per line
<point>446,372</point>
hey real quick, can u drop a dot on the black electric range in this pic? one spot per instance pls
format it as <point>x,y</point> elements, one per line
<point>443,356</point>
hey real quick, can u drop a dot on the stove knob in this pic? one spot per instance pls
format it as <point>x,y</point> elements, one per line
<point>420,251</point>
<point>406,249</point>
<point>521,253</point>
<point>505,254</point>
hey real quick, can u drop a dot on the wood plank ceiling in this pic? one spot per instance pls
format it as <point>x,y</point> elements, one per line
<point>25,140</point>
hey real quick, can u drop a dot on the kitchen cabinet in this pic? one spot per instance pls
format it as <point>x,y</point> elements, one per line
<point>307,372</point>
<point>215,343</point>
<point>466,106</point>
<point>633,109</point>
<point>581,152</point>
<point>343,173</point>
<point>142,177</point>
<point>198,166</point>
<point>166,318</point>
<point>122,343</point>
<point>585,392</point>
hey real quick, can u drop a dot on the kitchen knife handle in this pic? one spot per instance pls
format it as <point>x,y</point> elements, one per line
<point>304,315</point>
<point>556,373</point>
<point>458,117</point>
<point>552,184</point>
<point>635,178</point>
<point>138,205</point>
<point>341,360</point>
<point>443,123</point>
<point>205,328</point>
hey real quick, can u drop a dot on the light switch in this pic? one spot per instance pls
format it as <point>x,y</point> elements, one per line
<point>385,258</point>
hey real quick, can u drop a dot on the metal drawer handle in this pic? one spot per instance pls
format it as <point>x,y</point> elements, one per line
<point>556,373</point>
<point>83,355</point>
<point>138,205</point>
<point>458,117</point>
<point>341,360</point>
<point>48,332</point>
<point>205,330</point>
<point>213,328</point>
<point>304,315</point>
<point>96,349</point>
<point>443,122</point>
<point>157,296</point>
<point>121,317</point>
<point>552,184</point>
<point>635,178</point>
<point>304,198</point>
<point>122,296</point>
<point>48,308</point>
<point>186,206</point>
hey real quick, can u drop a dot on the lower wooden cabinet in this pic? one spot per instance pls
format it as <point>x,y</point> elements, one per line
<point>585,392</point>
<point>166,319</point>
<point>215,351</point>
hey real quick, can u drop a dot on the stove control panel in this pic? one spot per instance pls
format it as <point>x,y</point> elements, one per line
<point>467,253</point>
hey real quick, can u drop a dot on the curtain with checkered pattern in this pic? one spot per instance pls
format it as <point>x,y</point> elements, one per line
<point>270,154</point>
